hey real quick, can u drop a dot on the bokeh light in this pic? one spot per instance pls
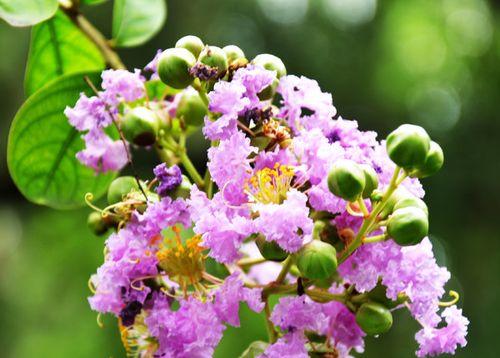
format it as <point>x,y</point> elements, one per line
<point>350,13</point>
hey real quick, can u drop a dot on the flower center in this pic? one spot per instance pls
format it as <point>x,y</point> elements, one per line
<point>268,185</point>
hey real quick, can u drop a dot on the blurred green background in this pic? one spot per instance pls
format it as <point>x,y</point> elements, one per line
<point>429,62</point>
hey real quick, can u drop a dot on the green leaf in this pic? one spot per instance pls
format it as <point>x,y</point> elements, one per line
<point>58,47</point>
<point>27,12</point>
<point>254,350</point>
<point>42,146</point>
<point>136,21</point>
<point>93,2</point>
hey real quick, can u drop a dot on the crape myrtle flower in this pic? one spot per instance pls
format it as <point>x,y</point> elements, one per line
<point>168,178</point>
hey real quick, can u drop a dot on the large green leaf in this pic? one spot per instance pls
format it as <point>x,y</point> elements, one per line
<point>58,47</point>
<point>136,21</point>
<point>42,147</point>
<point>27,12</point>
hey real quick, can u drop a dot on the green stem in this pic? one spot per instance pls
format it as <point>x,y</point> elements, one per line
<point>190,168</point>
<point>376,238</point>
<point>362,207</point>
<point>287,264</point>
<point>201,91</point>
<point>325,296</point>
<point>271,331</point>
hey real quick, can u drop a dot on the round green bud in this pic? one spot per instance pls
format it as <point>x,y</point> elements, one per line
<point>271,63</point>
<point>120,187</point>
<point>317,260</point>
<point>433,162</point>
<point>412,201</point>
<point>214,57</point>
<point>270,250</point>
<point>191,43</point>
<point>408,145</point>
<point>140,126</point>
<point>97,224</point>
<point>346,180</point>
<point>399,194</point>
<point>233,53</point>
<point>174,65</point>
<point>374,318</point>
<point>191,108</point>
<point>408,226</point>
<point>183,190</point>
<point>371,180</point>
<point>376,195</point>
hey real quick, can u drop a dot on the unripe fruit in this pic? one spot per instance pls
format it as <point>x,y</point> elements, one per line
<point>191,108</point>
<point>96,223</point>
<point>120,187</point>
<point>408,146</point>
<point>346,180</point>
<point>174,66</point>
<point>374,318</point>
<point>371,180</point>
<point>270,250</point>
<point>433,162</point>
<point>399,194</point>
<point>271,63</point>
<point>214,57</point>
<point>233,53</point>
<point>408,226</point>
<point>183,190</point>
<point>140,126</point>
<point>412,202</point>
<point>191,43</point>
<point>317,260</point>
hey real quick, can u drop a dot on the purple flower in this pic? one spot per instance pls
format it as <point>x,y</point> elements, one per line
<point>168,178</point>
<point>435,341</point>
<point>291,345</point>
<point>254,79</point>
<point>299,313</point>
<point>88,113</point>
<point>122,85</point>
<point>152,66</point>
<point>102,153</point>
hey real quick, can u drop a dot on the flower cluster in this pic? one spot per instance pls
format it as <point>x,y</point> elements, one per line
<point>307,206</point>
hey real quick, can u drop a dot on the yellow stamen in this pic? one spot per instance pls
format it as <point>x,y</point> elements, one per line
<point>268,185</point>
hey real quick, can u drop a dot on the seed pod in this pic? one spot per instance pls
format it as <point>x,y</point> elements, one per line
<point>191,43</point>
<point>214,57</point>
<point>97,224</point>
<point>408,146</point>
<point>270,250</point>
<point>374,318</point>
<point>174,66</point>
<point>346,180</point>
<point>233,53</point>
<point>191,108</point>
<point>412,201</point>
<point>183,190</point>
<point>317,260</point>
<point>271,63</point>
<point>120,187</point>
<point>371,180</point>
<point>399,194</point>
<point>140,126</point>
<point>433,162</point>
<point>408,226</point>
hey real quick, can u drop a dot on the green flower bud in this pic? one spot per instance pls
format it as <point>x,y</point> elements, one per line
<point>433,162</point>
<point>214,57</point>
<point>317,260</point>
<point>271,63</point>
<point>408,226</point>
<point>408,145</point>
<point>183,190</point>
<point>399,194</point>
<point>374,318</point>
<point>412,201</point>
<point>191,43</point>
<point>379,294</point>
<point>97,224</point>
<point>376,195</point>
<point>270,250</point>
<point>140,126</point>
<point>346,180</point>
<point>269,91</point>
<point>120,187</point>
<point>233,53</point>
<point>192,109</point>
<point>174,66</point>
<point>371,180</point>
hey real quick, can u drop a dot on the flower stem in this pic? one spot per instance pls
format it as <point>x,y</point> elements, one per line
<point>287,264</point>
<point>190,168</point>
<point>271,331</point>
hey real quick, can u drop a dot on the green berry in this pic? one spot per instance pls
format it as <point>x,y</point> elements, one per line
<point>412,201</point>
<point>233,53</point>
<point>120,187</point>
<point>271,63</point>
<point>270,250</point>
<point>317,260</point>
<point>371,180</point>
<point>140,126</point>
<point>96,223</point>
<point>191,43</point>
<point>191,108</point>
<point>399,194</point>
<point>346,180</point>
<point>408,226</point>
<point>174,66</point>
<point>408,146</point>
<point>433,162</point>
<point>183,190</point>
<point>374,318</point>
<point>214,57</point>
